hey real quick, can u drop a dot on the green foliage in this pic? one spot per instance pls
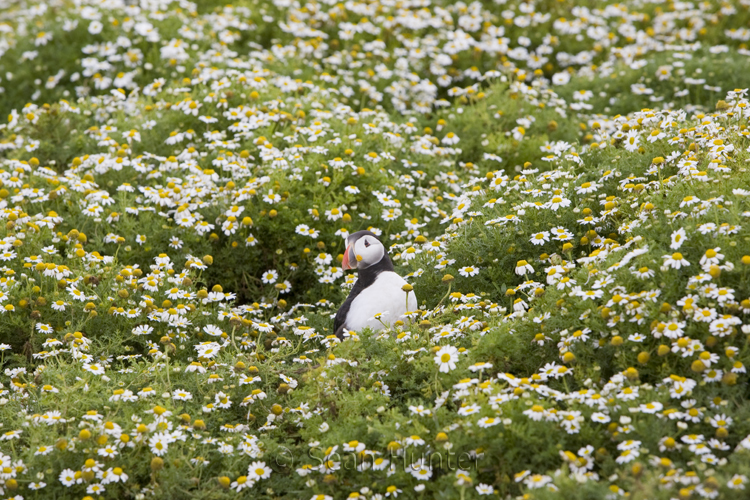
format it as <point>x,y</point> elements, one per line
<point>177,183</point>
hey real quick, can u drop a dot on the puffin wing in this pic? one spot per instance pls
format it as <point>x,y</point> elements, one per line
<point>339,322</point>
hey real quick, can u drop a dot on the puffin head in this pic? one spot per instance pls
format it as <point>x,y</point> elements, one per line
<point>363,249</point>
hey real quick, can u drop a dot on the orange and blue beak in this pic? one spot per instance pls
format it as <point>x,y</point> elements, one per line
<point>350,260</point>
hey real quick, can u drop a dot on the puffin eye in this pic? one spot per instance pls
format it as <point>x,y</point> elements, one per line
<point>367,243</point>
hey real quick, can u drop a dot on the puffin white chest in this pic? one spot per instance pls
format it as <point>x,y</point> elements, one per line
<point>383,296</point>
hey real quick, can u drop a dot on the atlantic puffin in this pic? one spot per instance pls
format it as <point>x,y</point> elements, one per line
<point>378,288</point>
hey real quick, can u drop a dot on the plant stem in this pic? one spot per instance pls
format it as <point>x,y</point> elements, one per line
<point>446,295</point>
<point>235,345</point>
<point>166,356</point>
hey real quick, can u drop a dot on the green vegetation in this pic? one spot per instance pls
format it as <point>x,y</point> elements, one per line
<point>565,186</point>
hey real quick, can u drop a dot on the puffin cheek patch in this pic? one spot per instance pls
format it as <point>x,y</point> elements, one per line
<point>359,258</point>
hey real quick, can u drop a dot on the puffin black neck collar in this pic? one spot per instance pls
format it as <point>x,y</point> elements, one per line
<point>368,275</point>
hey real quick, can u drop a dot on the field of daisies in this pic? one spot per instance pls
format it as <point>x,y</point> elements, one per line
<point>565,184</point>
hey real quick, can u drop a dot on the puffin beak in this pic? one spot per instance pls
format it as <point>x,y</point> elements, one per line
<point>350,261</point>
